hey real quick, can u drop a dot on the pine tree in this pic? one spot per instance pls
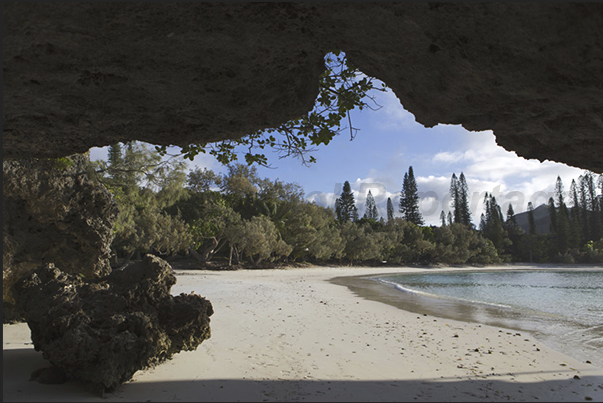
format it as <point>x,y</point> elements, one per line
<point>531,220</point>
<point>454,197</point>
<point>390,210</point>
<point>345,205</point>
<point>443,218</point>
<point>459,199</point>
<point>593,206</point>
<point>370,207</point>
<point>563,219</point>
<point>559,192</point>
<point>552,215</point>
<point>449,218</point>
<point>409,199</point>
<point>491,224</point>
<point>482,223</point>
<point>464,201</point>
<point>575,233</point>
<point>511,216</point>
<point>116,163</point>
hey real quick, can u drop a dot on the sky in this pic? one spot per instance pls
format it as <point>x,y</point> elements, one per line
<point>388,142</point>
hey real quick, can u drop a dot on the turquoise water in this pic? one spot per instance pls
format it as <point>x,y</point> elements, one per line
<point>563,308</point>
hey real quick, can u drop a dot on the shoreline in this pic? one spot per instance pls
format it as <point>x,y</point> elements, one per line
<point>370,287</point>
<point>292,335</point>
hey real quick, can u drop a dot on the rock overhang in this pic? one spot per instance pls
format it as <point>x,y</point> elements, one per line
<point>78,75</point>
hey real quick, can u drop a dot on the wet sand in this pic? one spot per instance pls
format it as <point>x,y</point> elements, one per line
<point>293,335</point>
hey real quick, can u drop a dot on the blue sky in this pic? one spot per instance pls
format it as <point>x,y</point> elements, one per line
<point>388,141</point>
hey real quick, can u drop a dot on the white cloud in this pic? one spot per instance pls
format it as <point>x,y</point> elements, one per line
<point>448,157</point>
<point>512,179</point>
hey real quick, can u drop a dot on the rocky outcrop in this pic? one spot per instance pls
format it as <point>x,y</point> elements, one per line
<point>102,331</point>
<point>77,75</point>
<point>53,213</point>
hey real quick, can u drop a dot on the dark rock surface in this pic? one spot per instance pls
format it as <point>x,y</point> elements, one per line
<point>53,213</point>
<point>77,75</point>
<point>102,331</point>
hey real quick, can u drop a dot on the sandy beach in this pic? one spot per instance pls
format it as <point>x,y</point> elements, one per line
<point>292,335</point>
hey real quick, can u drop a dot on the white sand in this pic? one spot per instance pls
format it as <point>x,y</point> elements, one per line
<point>290,335</point>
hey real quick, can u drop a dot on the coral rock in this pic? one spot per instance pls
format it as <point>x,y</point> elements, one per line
<point>104,330</point>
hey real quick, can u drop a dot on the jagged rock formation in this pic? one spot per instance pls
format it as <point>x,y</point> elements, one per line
<point>78,75</point>
<point>102,331</point>
<point>53,213</point>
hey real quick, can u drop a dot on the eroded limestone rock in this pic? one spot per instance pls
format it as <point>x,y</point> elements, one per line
<point>101,331</point>
<point>53,213</point>
<point>77,75</point>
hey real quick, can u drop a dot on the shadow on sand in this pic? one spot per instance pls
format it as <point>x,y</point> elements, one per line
<point>19,363</point>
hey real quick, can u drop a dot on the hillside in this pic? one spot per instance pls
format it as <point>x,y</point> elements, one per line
<point>541,217</point>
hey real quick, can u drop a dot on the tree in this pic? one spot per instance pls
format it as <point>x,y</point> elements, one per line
<point>360,243</point>
<point>115,161</point>
<point>559,192</point>
<point>240,181</point>
<point>443,218</point>
<point>390,210</point>
<point>517,249</point>
<point>492,224</point>
<point>143,186</point>
<point>201,181</point>
<point>552,215</point>
<point>345,205</point>
<point>371,212</point>
<point>459,199</point>
<point>464,201</point>
<point>409,199</point>
<point>210,231</point>
<point>575,215</point>
<point>312,232</point>
<point>531,220</point>
<point>511,220</point>
<point>258,239</point>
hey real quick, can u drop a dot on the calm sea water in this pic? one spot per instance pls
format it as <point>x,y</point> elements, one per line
<point>562,308</point>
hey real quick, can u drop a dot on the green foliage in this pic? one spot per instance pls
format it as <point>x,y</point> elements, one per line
<point>492,225</point>
<point>342,88</point>
<point>345,205</point>
<point>251,219</point>
<point>143,187</point>
<point>258,239</point>
<point>390,210</point>
<point>409,199</point>
<point>62,163</point>
<point>459,198</point>
<point>360,244</point>
<point>371,212</point>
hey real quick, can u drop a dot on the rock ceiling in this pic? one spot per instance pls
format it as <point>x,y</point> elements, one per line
<point>77,75</point>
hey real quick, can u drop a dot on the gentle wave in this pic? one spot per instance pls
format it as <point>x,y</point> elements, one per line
<point>439,296</point>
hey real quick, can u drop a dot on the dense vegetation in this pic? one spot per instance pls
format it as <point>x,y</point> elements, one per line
<point>240,218</point>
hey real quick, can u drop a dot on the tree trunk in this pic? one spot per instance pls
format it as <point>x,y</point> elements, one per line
<point>210,250</point>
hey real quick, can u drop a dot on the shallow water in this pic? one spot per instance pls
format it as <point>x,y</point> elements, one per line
<point>561,307</point>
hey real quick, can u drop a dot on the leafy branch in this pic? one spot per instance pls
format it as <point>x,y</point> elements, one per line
<point>342,88</point>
